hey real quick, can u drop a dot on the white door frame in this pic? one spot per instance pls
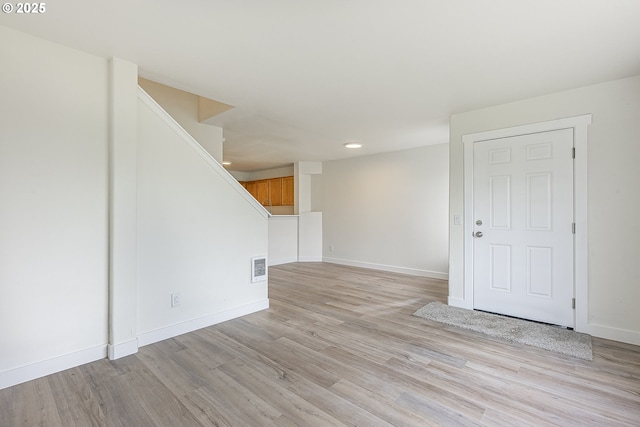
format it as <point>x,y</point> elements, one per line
<point>579,125</point>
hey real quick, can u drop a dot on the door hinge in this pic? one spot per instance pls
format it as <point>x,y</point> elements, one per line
<point>573,152</point>
<point>573,228</point>
<point>573,303</point>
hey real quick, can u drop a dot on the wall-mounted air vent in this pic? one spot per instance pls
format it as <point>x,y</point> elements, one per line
<point>258,269</point>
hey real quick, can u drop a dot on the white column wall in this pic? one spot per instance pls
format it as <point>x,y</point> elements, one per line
<point>53,207</point>
<point>123,221</point>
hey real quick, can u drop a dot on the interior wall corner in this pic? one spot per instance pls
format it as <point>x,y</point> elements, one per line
<point>123,134</point>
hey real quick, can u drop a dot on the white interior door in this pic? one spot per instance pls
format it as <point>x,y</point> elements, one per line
<point>523,254</point>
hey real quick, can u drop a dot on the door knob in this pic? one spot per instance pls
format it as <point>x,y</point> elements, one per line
<point>478,234</point>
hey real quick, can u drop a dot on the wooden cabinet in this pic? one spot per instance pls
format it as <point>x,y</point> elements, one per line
<point>287,191</point>
<point>262,192</point>
<point>251,187</point>
<point>278,191</point>
<point>275,191</point>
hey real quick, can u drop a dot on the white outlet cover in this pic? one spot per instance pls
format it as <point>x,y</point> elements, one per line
<point>175,300</point>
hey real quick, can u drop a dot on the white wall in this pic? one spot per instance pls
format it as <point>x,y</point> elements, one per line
<point>613,196</point>
<point>310,237</point>
<point>283,239</point>
<point>196,236</point>
<point>195,228</point>
<point>303,172</point>
<point>53,206</point>
<point>183,107</point>
<point>387,211</point>
<point>264,174</point>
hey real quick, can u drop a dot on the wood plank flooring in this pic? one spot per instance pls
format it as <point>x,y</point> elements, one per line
<point>339,346</point>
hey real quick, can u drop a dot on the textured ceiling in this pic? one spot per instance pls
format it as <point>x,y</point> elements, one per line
<point>307,76</point>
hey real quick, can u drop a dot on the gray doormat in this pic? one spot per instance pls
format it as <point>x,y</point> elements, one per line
<point>552,338</point>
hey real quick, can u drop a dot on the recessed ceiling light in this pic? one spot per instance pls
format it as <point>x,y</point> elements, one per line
<point>226,163</point>
<point>353,144</point>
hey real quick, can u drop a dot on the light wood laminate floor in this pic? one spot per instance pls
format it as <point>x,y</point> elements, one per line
<point>338,346</point>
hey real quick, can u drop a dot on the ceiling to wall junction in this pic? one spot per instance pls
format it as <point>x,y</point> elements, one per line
<point>305,77</point>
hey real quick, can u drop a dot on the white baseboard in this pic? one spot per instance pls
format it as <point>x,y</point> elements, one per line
<point>116,351</point>
<point>390,268</point>
<point>310,259</point>
<point>282,261</point>
<point>51,366</point>
<point>202,322</point>
<point>615,334</point>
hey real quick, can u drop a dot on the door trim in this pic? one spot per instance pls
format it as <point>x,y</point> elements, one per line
<point>579,125</point>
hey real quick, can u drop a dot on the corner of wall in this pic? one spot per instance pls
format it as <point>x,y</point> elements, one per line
<point>122,208</point>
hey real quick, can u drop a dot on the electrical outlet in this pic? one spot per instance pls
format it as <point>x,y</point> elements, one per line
<point>175,300</point>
